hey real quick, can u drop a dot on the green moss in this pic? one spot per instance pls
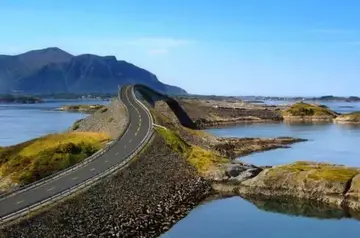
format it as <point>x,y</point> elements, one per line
<point>316,171</point>
<point>38,158</point>
<point>305,109</point>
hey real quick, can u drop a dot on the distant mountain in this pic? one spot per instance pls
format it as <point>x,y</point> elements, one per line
<point>54,71</point>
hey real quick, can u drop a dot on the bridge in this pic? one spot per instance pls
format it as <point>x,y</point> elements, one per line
<point>110,160</point>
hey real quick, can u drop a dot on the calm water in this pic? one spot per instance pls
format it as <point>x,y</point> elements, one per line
<point>236,217</point>
<point>21,122</point>
<point>332,143</point>
<point>340,107</point>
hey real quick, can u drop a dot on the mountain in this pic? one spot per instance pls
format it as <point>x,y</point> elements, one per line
<point>54,71</point>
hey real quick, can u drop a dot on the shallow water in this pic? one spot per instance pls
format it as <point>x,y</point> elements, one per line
<point>340,107</point>
<point>331,143</point>
<point>22,122</point>
<point>236,217</point>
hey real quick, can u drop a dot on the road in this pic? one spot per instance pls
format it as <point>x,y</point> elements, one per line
<point>140,124</point>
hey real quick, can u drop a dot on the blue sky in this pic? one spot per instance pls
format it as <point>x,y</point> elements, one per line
<point>224,47</point>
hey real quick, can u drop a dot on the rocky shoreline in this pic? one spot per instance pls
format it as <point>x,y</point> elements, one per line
<point>182,167</point>
<point>335,185</point>
<point>83,108</point>
<point>143,200</point>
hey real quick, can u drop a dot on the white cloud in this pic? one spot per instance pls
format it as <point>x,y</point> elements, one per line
<point>157,51</point>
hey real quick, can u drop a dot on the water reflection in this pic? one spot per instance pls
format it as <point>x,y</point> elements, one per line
<point>302,208</point>
<point>237,217</point>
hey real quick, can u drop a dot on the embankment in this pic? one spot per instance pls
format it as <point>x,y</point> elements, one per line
<point>111,120</point>
<point>142,200</point>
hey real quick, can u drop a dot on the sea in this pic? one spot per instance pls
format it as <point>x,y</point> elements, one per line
<point>233,216</point>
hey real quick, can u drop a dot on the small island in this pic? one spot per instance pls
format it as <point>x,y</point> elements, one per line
<point>351,118</point>
<point>308,112</point>
<point>19,99</point>
<point>84,108</point>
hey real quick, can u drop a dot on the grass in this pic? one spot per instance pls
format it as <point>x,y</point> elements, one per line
<point>317,171</point>
<point>38,158</point>
<point>203,160</point>
<point>305,109</point>
<point>85,108</point>
<point>354,116</point>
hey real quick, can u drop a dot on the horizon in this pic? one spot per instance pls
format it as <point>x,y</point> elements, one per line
<point>225,48</point>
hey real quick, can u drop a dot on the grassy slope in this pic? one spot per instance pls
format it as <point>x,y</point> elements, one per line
<point>305,109</point>
<point>37,158</point>
<point>353,117</point>
<point>318,171</point>
<point>202,159</point>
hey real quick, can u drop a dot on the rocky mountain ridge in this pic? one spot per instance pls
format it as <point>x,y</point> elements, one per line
<point>53,71</point>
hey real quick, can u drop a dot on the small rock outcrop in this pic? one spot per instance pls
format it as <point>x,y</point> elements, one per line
<point>351,118</point>
<point>332,184</point>
<point>305,112</point>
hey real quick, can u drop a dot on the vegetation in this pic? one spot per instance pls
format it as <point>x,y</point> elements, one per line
<point>316,171</point>
<point>202,159</point>
<point>38,158</point>
<point>8,98</point>
<point>305,109</point>
<point>84,108</point>
<point>351,117</point>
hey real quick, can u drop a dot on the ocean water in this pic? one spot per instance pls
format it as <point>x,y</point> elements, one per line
<point>331,143</point>
<point>237,217</point>
<point>22,122</point>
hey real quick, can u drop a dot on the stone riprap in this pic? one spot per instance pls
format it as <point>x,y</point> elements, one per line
<point>111,119</point>
<point>143,200</point>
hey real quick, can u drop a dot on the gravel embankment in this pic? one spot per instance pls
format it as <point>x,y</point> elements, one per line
<point>111,119</point>
<point>143,200</point>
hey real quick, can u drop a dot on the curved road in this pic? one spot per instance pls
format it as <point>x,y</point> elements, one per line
<point>139,126</point>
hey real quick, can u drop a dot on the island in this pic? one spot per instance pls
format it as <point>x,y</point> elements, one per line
<point>8,98</point>
<point>308,112</point>
<point>84,108</point>
<point>351,118</point>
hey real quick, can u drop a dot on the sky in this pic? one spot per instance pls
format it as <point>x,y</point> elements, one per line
<point>222,47</point>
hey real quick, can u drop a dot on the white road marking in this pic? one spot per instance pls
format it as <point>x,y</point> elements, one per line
<point>20,202</point>
<point>74,178</point>
<point>92,169</point>
<point>117,153</point>
<point>52,188</point>
<point>124,146</point>
<point>106,161</point>
<point>130,141</point>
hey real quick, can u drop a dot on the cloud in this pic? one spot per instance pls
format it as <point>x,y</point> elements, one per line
<point>157,51</point>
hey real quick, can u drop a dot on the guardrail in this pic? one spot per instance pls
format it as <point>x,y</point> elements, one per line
<point>84,184</point>
<point>69,169</point>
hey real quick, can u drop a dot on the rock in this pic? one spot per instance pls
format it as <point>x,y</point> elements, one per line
<point>247,174</point>
<point>233,170</point>
<point>316,181</point>
<point>351,118</point>
<point>353,195</point>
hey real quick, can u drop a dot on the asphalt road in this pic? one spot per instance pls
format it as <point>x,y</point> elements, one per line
<point>140,124</point>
